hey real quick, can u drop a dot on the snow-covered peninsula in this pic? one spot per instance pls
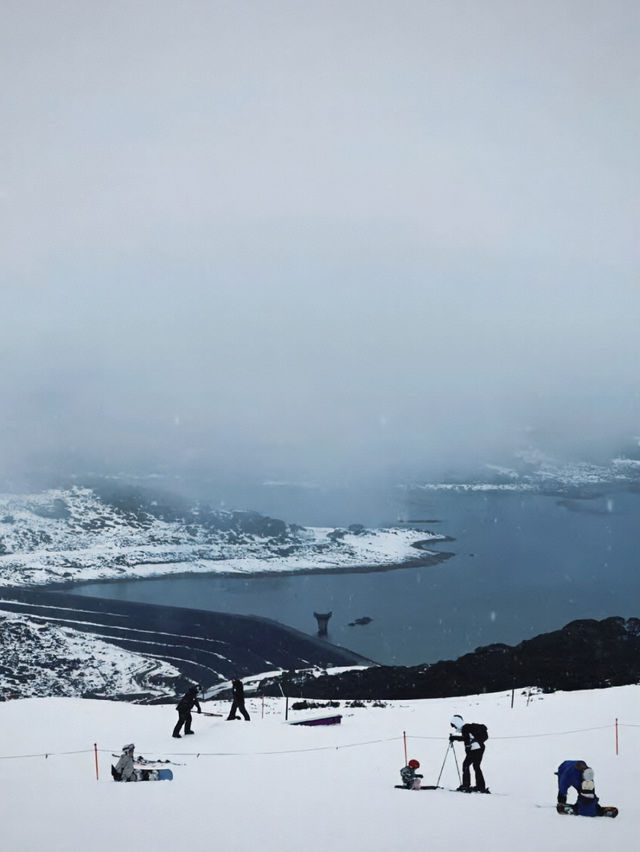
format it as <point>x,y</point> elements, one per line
<point>74,535</point>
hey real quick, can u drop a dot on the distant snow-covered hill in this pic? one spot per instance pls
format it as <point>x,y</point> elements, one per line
<point>72,535</point>
<point>538,472</point>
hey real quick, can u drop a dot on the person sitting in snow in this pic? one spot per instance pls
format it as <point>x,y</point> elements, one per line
<point>124,768</point>
<point>471,735</point>
<point>410,778</point>
<point>576,774</point>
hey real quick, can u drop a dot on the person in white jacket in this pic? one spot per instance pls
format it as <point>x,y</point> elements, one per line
<point>124,767</point>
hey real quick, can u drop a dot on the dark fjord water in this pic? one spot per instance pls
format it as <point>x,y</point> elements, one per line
<point>524,564</point>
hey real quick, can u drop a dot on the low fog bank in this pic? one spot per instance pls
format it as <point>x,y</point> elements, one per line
<point>331,491</point>
<point>337,245</point>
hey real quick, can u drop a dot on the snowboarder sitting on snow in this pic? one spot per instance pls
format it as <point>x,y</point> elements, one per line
<point>124,770</point>
<point>576,773</point>
<point>411,778</point>
<point>473,736</point>
<point>188,700</point>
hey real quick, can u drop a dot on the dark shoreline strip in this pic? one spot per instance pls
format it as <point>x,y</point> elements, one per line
<point>251,644</point>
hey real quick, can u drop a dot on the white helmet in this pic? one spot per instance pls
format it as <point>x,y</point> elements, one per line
<point>457,721</point>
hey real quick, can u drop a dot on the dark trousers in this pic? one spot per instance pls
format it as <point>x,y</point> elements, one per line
<point>184,718</point>
<point>591,810</point>
<point>473,758</point>
<point>238,704</point>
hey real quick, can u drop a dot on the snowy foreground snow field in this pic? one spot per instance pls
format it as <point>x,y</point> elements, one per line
<point>267,785</point>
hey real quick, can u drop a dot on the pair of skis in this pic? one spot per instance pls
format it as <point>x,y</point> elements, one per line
<point>436,787</point>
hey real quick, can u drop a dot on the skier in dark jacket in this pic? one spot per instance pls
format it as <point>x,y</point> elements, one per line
<point>474,752</point>
<point>184,706</point>
<point>238,700</point>
<point>576,774</point>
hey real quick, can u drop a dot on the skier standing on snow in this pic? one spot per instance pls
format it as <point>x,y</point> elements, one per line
<point>238,700</point>
<point>576,774</point>
<point>473,736</point>
<point>184,706</point>
<point>124,770</point>
<point>410,778</point>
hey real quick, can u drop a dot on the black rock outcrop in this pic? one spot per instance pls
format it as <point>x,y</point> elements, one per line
<point>586,654</point>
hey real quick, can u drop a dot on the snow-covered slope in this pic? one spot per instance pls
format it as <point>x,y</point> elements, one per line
<point>46,659</point>
<point>68,535</point>
<point>280,788</point>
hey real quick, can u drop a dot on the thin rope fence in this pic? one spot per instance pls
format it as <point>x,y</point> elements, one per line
<point>526,736</point>
<point>45,754</point>
<point>337,747</point>
<point>278,751</point>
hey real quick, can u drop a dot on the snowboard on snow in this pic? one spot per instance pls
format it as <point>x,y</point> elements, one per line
<point>146,774</point>
<point>154,774</point>
<point>606,810</point>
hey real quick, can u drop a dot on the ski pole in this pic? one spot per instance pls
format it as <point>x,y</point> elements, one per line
<point>455,757</point>
<point>443,763</point>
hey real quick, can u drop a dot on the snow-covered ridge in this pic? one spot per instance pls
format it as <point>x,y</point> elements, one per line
<point>42,659</point>
<point>73,535</point>
<point>537,472</point>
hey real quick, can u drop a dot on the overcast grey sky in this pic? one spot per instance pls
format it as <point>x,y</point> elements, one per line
<point>315,236</point>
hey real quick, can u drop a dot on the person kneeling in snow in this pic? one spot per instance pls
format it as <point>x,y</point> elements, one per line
<point>410,778</point>
<point>576,774</point>
<point>124,768</point>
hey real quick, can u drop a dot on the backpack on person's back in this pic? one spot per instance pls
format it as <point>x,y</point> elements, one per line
<point>478,731</point>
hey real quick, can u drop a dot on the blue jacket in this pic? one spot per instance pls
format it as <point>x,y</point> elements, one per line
<point>569,776</point>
